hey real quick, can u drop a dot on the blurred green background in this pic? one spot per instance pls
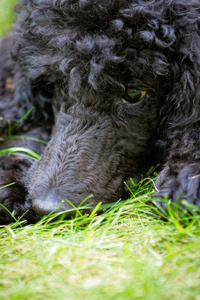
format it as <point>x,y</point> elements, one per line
<point>7,15</point>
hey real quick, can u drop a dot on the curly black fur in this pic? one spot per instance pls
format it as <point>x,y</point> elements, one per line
<point>16,99</point>
<point>81,57</point>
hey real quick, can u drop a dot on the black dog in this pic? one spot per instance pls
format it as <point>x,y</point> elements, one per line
<point>123,80</point>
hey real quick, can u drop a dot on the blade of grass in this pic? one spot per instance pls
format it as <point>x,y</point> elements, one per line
<point>20,151</point>
<point>11,127</point>
<point>24,138</point>
<point>8,212</point>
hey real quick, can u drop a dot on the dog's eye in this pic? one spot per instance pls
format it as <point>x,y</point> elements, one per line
<point>133,96</point>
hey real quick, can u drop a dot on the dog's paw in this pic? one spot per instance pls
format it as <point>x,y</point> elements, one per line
<point>14,204</point>
<point>181,183</point>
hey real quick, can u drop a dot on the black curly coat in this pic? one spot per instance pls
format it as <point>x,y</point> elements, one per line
<point>81,59</point>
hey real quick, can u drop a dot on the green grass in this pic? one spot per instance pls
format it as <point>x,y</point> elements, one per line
<point>128,252</point>
<point>6,15</point>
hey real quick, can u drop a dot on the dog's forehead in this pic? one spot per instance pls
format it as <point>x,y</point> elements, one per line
<point>105,46</point>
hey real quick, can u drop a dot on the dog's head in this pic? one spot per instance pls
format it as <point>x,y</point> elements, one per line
<point>112,69</point>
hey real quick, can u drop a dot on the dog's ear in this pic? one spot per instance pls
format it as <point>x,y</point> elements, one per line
<point>182,103</point>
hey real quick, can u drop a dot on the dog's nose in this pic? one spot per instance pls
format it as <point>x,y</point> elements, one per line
<point>49,205</point>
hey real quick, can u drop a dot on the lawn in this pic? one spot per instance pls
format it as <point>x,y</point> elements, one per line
<point>127,252</point>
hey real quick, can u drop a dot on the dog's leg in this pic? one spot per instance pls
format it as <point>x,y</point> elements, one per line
<point>180,177</point>
<point>14,178</point>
